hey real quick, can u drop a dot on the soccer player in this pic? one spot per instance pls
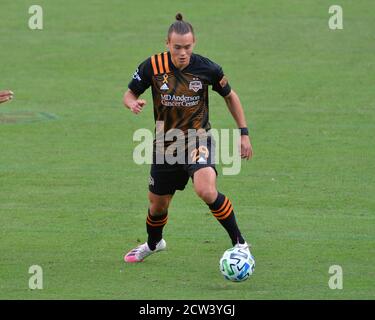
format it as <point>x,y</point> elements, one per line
<point>5,95</point>
<point>180,80</point>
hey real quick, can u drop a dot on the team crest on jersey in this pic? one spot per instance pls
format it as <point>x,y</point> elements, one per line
<point>195,85</point>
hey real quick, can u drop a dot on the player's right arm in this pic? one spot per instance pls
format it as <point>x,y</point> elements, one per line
<point>140,82</point>
<point>132,102</point>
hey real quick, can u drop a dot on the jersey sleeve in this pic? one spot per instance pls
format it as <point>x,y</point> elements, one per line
<point>219,81</point>
<point>141,80</point>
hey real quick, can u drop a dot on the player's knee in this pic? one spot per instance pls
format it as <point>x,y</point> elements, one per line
<point>208,195</point>
<point>158,208</point>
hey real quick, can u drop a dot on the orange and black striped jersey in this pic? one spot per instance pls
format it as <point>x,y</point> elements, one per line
<point>180,96</point>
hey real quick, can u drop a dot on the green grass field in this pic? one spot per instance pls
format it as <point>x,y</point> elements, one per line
<point>73,201</point>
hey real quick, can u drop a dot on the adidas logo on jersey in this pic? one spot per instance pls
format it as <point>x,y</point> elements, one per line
<point>164,87</point>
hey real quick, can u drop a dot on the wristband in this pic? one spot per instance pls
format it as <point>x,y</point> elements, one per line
<point>244,131</point>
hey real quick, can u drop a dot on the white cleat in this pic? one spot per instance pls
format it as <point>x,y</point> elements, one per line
<point>244,246</point>
<point>139,253</point>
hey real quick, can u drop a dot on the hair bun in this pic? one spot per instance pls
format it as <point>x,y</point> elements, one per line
<point>179,17</point>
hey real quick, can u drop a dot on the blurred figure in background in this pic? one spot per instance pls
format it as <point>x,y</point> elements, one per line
<point>5,95</point>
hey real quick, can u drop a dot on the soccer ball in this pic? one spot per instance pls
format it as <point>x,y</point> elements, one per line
<point>237,264</point>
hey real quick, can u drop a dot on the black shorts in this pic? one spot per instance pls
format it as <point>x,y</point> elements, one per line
<point>167,178</point>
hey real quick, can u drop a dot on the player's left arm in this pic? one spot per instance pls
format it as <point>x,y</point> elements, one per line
<point>235,107</point>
